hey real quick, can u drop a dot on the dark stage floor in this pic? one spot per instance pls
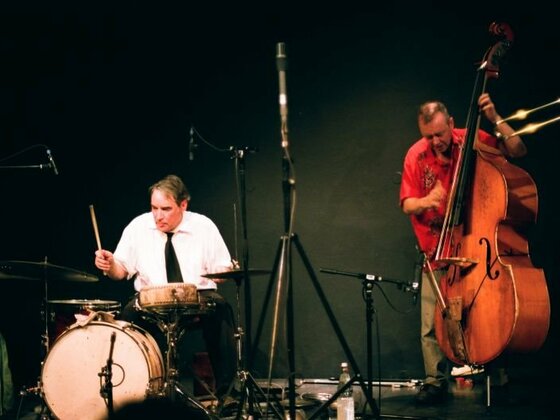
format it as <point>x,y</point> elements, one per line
<point>520,399</point>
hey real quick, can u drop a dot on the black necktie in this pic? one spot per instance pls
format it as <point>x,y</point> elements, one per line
<point>171,262</point>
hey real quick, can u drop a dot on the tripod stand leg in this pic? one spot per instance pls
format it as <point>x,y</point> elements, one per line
<point>178,390</point>
<point>265,305</point>
<point>336,327</point>
<point>250,396</point>
<point>283,265</point>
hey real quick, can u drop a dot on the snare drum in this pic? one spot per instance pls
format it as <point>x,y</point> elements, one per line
<point>64,313</point>
<point>173,297</point>
<point>70,377</point>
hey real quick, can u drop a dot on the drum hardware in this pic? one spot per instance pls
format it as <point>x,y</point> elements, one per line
<point>238,156</point>
<point>44,272</point>
<point>249,390</point>
<point>172,388</point>
<point>167,306</point>
<point>106,388</point>
<point>248,385</point>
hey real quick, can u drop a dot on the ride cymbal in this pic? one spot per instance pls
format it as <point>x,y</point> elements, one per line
<point>29,270</point>
<point>235,274</point>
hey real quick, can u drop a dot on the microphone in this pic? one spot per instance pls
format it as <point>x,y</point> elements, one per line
<point>281,64</point>
<point>362,276</point>
<point>415,284</point>
<point>51,162</point>
<point>192,146</point>
<point>415,289</point>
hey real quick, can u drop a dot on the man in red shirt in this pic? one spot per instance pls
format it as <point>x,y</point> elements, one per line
<point>426,178</point>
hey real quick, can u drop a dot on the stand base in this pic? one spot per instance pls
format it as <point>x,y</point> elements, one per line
<point>251,400</point>
<point>177,393</point>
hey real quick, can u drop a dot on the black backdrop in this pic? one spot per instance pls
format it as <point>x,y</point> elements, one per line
<point>114,89</point>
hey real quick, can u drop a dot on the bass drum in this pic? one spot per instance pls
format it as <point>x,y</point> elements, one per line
<point>71,380</point>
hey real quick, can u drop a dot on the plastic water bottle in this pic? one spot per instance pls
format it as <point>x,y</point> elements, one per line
<point>345,401</point>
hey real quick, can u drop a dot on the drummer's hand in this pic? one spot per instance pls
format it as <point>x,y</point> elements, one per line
<point>103,260</point>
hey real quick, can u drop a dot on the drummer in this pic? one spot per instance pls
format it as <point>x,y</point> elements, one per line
<point>200,249</point>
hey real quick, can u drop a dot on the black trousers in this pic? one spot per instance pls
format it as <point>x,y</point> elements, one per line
<point>217,329</point>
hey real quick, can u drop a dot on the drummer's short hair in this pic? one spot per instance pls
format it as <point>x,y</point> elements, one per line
<point>174,186</point>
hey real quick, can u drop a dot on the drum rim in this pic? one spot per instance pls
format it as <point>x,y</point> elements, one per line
<point>83,302</point>
<point>168,286</point>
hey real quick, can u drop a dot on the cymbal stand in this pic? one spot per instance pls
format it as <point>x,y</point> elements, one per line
<point>45,339</point>
<point>239,153</point>
<point>247,384</point>
<point>45,345</point>
<point>248,387</point>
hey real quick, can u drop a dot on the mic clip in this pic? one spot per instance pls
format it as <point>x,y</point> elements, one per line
<point>51,163</point>
<point>239,151</point>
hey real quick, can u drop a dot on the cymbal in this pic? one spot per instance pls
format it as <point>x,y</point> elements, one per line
<point>235,274</point>
<point>29,270</point>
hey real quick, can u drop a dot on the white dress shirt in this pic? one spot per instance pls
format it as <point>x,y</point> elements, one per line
<point>198,244</point>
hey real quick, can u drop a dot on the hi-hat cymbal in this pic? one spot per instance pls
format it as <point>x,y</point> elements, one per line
<point>235,274</point>
<point>29,270</point>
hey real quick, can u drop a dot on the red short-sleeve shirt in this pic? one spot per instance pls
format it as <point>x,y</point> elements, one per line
<point>420,172</point>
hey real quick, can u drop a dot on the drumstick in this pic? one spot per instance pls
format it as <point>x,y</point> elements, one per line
<point>94,222</point>
<point>95,229</point>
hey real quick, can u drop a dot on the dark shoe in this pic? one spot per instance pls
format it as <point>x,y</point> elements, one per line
<point>431,394</point>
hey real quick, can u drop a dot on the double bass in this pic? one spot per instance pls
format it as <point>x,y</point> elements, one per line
<point>492,298</point>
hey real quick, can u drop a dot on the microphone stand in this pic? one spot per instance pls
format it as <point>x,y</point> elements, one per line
<point>40,166</point>
<point>367,288</point>
<point>248,385</point>
<point>368,282</point>
<point>106,389</point>
<point>239,154</point>
<point>50,165</point>
<point>282,269</point>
